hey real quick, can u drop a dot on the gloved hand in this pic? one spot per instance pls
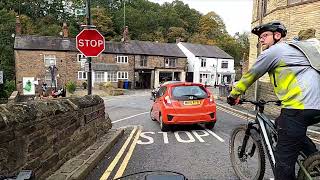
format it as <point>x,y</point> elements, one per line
<point>232,101</point>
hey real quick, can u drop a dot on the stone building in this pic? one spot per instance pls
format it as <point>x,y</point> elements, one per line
<point>296,15</point>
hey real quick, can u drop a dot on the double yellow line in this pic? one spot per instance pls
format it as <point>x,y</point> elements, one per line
<point>126,159</point>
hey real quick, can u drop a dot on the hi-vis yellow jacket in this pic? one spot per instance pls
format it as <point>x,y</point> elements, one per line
<point>295,82</point>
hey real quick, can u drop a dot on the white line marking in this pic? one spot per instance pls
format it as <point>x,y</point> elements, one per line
<point>129,117</point>
<point>215,135</point>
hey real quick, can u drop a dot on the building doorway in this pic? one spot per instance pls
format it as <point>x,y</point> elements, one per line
<point>143,80</point>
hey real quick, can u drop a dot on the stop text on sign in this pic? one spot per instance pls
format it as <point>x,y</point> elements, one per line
<point>90,43</point>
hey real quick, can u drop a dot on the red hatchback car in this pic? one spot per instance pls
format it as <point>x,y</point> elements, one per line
<point>183,103</point>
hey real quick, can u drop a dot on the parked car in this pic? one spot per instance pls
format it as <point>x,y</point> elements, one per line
<point>183,103</point>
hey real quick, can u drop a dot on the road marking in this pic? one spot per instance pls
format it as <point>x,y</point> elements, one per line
<point>215,135</point>
<point>128,156</point>
<point>107,173</point>
<point>129,117</point>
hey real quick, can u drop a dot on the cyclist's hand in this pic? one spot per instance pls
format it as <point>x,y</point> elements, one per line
<point>232,101</point>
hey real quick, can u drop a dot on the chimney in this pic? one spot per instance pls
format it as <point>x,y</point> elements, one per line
<point>125,35</point>
<point>65,30</point>
<point>178,40</point>
<point>18,26</point>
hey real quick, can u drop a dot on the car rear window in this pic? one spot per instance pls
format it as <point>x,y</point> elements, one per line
<point>188,92</point>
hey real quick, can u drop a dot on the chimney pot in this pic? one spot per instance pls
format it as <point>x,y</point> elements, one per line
<point>18,26</point>
<point>65,30</point>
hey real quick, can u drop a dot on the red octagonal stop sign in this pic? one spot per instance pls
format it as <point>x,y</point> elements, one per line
<point>90,42</point>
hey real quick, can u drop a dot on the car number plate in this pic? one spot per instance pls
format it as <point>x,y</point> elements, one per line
<point>190,103</point>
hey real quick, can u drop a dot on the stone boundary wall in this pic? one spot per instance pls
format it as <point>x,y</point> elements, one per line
<point>42,135</point>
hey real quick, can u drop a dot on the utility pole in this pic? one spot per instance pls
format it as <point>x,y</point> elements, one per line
<point>124,14</point>
<point>89,58</point>
<point>256,85</point>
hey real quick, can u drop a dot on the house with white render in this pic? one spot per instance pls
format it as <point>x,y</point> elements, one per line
<point>208,64</point>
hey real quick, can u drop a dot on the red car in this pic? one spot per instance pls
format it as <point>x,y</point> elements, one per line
<point>183,103</point>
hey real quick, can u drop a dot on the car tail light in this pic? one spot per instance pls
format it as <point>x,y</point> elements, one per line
<point>211,100</point>
<point>167,100</point>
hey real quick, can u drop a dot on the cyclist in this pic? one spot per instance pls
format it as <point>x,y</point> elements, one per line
<point>296,84</point>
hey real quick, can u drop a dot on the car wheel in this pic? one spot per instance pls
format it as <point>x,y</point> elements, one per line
<point>210,125</point>
<point>153,119</point>
<point>164,127</point>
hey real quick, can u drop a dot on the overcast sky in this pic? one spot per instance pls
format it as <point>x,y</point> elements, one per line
<point>236,14</point>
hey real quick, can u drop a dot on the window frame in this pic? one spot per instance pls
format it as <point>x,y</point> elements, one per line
<point>170,62</point>
<point>122,59</point>
<point>125,73</point>
<point>82,75</point>
<point>143,61</point>
<point>201,77</point>
<point>224,62</point>
<point>47,57</point>
<point>111,78</point>
<point>48,81</point>
<point>103,77</point>
<point>203,62</point>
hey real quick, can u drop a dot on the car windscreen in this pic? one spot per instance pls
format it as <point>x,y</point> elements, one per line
<point>188,92</point>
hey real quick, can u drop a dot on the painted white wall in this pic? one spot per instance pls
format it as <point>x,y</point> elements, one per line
<point>213,67</point>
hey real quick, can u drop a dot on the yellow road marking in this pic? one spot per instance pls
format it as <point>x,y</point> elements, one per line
<point>128,156</point>
<point>107,173</point>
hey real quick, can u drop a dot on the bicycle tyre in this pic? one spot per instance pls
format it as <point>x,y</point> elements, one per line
<point>258,175</point>
<point>310,163</point>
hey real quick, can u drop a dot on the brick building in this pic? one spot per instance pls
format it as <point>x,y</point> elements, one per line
<point>144,64</point>
<point>295,14</point>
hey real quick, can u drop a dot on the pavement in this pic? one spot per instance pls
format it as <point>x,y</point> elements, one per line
<point>80,166</point>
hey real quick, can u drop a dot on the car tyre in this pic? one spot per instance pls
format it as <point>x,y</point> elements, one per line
<point>153,119</point>
<point>210,125</point>
<point>164,127</point>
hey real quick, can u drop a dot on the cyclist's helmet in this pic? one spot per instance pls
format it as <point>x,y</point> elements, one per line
<point>274,26</point>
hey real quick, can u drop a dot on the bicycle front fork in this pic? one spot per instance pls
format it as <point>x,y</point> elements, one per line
<point>245,141</point>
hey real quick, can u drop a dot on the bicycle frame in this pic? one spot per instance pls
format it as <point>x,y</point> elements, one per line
<point>266,131</point>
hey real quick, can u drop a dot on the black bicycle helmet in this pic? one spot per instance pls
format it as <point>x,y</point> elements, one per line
<point>274,26</point>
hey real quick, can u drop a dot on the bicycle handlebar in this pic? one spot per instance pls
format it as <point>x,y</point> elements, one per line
<point>261,102</point>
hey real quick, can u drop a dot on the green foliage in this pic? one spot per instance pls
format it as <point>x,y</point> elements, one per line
<point>71,87</point>
<point>7,88</point>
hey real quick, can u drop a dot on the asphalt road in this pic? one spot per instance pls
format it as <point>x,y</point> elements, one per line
<point>196,152</point>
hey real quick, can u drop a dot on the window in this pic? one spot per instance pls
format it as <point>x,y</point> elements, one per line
<point>143,61</point>
<point>81,57</point>
<point>264,7</point>
<point>170,62</point>
<point>204,78</point>
<point>49,60</point>
<point>224,65</point>
<point>122,59</point>
<point>82,75</point>
<point>112,76</point>
<point>48,80</point>
<point>122,75</point>
<point>203,62</point>
<point>99,76</point>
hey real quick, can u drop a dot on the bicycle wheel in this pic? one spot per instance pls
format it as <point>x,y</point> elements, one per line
<point>252,165</point>
<point>312,165</point>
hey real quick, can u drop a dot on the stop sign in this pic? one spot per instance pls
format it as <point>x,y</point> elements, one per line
<point>90,42</point>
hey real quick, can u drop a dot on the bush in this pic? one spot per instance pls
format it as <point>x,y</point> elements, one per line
<point>71,87</point>
<point>7,88</point>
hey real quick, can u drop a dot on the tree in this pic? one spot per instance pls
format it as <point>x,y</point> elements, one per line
<point>101,19</point>
<point>177,32</point>
<point>7,29</point>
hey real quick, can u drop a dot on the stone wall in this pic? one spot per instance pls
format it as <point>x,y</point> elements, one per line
<point>42,135</point>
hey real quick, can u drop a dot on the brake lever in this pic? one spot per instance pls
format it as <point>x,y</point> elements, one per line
<point>278,103</point>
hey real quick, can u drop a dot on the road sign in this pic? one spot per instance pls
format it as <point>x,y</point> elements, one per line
<point>90,42</point>
<point>1,77</point>
<point>80,12</point>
